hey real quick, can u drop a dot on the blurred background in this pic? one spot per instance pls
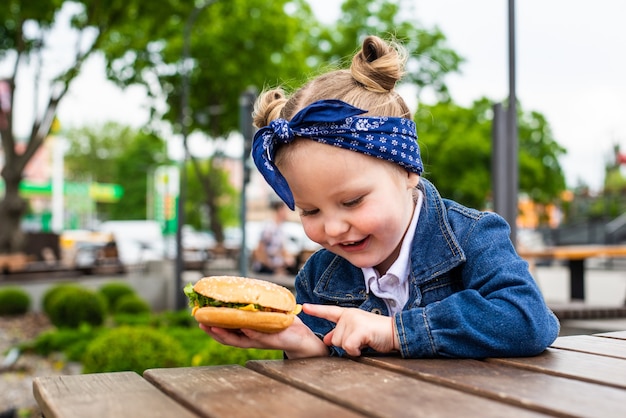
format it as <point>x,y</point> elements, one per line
<point>126,131</point>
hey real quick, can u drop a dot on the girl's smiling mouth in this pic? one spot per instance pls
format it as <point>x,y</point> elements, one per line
<point>351,246</point>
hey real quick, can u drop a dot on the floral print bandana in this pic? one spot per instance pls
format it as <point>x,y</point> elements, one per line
<point>336,123</point>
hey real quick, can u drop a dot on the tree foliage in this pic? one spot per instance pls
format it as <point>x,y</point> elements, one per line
<point>117,154</point>
<point>92,151</point>
<point>456,148</point>
<point>233,44</point>
<point>429,58</point>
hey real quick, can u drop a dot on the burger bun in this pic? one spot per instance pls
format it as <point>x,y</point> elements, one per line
<point>231,318</point>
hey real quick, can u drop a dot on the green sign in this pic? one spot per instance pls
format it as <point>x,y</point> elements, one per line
<point>166,191</point>
<point>99,192</point>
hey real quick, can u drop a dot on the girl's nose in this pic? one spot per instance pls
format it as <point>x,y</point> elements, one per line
<point>336,227</point>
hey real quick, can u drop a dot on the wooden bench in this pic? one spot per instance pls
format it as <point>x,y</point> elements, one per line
<point>575,256</point>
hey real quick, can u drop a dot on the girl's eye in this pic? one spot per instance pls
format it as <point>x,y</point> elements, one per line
<point>353,202</point>
<point>304,212</point>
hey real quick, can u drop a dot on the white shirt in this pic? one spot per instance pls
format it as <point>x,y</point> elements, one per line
<point>393,286</point>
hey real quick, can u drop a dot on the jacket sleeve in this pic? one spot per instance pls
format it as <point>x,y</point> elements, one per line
<point>304,284</point>
<point>499,312</point>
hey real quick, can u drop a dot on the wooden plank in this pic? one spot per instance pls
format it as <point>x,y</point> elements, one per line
<point>620,335</point>
<point>581,310</point>
<point>233,391</point>
<point>573,364</point>
<point>592,344</point>
<point>105,395</point>
<point>537,391</point>
<point>575,252</point>
<point>378,392</point>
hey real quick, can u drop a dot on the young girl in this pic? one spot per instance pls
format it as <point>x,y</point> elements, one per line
<point>402,270</point>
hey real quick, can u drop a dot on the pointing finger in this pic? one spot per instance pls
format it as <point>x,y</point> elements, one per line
<point>331,313</point>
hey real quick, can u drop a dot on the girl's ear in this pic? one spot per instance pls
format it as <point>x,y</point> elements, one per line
<point>412,180</point>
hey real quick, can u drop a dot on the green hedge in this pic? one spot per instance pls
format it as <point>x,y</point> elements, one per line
<point>131,304</point>
<point>132,348</point>
<point>72,306</point>
<point>139,341</point>
<point>113,291</point>
<point>14,301</point>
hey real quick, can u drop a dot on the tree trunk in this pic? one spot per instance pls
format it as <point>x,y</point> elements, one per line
<point>12,208</point>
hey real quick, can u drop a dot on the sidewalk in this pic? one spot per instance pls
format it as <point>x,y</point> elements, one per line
<point>605,287</point>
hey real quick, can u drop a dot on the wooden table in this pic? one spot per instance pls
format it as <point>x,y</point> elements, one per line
<point>577,376</point>
<point>575,256</point>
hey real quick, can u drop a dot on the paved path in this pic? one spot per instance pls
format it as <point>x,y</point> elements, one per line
<point>605,286</point>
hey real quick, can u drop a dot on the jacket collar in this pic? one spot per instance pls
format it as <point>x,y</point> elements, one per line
<point>435,247</point>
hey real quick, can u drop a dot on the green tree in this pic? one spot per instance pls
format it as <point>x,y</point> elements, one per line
<point>92,149</point>
<point>198,208</point>
<point>232,45</point>
<point>135,163</point>
<point>429,59</point>
<point>456,148</point>
<point>24,37</point>
<point>541,175</point>
<point>118,154</point>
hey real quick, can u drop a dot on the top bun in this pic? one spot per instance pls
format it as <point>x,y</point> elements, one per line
<point>234,289</point>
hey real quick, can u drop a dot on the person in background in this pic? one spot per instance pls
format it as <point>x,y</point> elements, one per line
<point>402,270</point>
<point>271,255</point>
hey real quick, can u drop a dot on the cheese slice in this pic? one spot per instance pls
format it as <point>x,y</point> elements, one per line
<point>249,307</point>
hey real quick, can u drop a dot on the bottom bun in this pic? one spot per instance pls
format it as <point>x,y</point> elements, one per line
<point>236,319</point>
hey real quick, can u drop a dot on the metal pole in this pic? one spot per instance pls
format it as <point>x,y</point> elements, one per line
<point>512,129</point>
<point>185,115</point>
<point>499,162</point>
<point>246,104</point>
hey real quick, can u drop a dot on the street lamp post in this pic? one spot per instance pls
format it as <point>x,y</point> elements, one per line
<point>185,115</point>
<point>512,128</point>
<point>246,104</point>
<point>505,167</point>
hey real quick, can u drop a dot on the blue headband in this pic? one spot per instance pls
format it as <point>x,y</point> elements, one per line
<point>333,122</point>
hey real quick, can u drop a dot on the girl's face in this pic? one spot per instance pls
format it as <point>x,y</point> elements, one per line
<point>353,205</point>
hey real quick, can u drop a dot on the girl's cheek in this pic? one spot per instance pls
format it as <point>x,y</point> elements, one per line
<point>313,231</point>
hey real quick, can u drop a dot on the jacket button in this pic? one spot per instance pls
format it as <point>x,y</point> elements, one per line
<point>377,311</point>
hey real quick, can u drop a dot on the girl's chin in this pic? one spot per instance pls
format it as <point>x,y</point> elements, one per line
<point>361,261</point>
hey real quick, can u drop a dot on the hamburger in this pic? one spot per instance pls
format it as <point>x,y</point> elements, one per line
<point>241,302</point>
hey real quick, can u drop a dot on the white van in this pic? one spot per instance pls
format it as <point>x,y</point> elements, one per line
<point>137,241</point>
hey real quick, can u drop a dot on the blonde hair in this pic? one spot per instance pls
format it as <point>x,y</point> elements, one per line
<point>369,84</point>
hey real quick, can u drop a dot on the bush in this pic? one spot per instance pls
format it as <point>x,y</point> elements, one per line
<point>132,349</point>
<point>14,301</point>
<point>180,318</point>
<point>74,306</point>
<point>52,292</point>
<point>131,304</point>
<point>70,341</point>
<point>113,291</point>
<point>205,351</point>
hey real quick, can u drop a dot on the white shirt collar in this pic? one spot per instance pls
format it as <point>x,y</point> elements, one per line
<point>400,268</point>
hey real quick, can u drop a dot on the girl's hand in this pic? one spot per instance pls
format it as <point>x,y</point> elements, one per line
<point>356,329</point>
<point>297,341</point>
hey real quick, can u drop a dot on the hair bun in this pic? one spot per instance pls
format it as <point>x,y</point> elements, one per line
<point>378,66</point>
<point>268,107</point>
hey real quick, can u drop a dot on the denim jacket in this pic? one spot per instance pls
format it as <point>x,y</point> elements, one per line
<point>470,294</point>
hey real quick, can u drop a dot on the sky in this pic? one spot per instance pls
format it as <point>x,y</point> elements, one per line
<point>570,67</point>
